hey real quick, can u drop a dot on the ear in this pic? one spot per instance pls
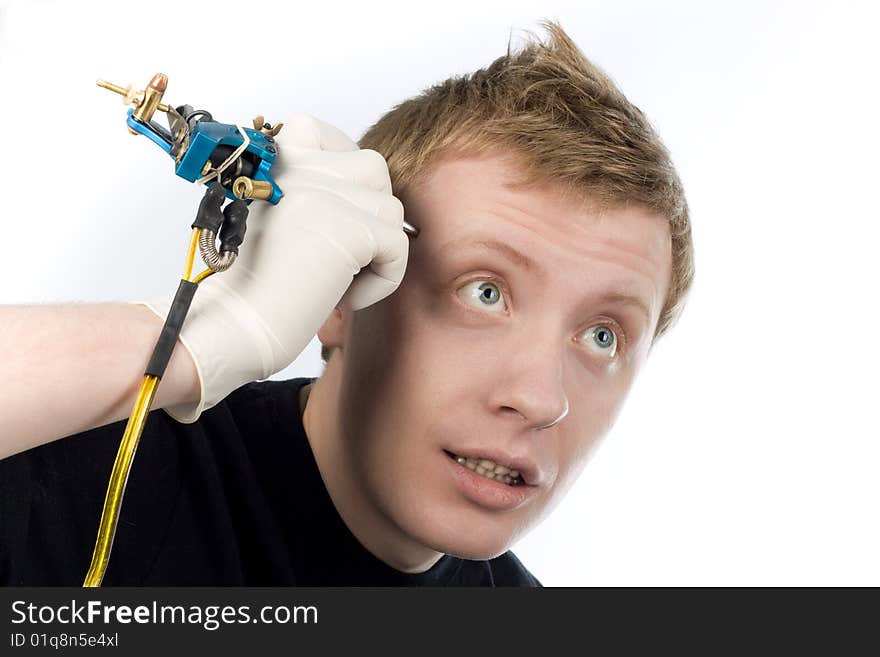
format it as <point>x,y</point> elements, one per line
<point>332,331</point>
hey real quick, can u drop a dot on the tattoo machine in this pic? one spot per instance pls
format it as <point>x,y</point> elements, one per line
<point>235,163</point>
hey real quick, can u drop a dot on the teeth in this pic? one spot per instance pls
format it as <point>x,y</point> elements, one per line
<point>491,470</point>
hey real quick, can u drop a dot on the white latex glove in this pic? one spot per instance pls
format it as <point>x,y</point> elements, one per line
<point>298,261</point>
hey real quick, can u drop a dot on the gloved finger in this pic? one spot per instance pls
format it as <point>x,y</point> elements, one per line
<point>384,274</point>
<point>362,167</point>
<point>303,130</point>
<point>381,205</point>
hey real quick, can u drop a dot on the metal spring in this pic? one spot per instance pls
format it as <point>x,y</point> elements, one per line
<point>208,248</point>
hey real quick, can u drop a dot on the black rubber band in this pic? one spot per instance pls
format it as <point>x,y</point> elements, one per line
<point>210,216</point>
<point>171,328</point>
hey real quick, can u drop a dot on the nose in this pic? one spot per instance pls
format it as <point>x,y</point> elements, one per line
<point>531,385</point>
<point>560,418</point>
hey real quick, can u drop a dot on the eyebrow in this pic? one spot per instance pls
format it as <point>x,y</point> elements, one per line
<point>517,257</point>
<point>521,259</point>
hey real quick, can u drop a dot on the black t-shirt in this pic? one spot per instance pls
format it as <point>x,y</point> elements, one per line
<point>234,498</point>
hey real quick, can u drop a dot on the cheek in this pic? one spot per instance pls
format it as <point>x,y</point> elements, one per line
<point>580,445</point>
<point>595,404</point>
<point>421,332</point>
<point>394,359</point>
<point>409,367</point>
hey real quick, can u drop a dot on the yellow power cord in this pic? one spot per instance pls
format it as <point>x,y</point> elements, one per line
<point>125,455</point>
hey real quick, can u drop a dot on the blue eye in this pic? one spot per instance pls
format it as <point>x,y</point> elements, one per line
<point>484,294</point>
<point>603,338</point>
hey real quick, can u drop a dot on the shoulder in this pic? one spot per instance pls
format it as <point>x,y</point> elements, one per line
<point>268,393</point>
<point>508,570</point>
<point>256,408</point>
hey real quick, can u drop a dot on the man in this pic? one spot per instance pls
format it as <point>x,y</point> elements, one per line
<point>458,403</point>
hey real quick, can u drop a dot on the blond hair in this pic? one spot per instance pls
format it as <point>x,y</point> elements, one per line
<point>566,123</point>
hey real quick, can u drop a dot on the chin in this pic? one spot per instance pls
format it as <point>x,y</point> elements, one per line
<point>461,539</point>
<point>480,555</point>
<point>433,514</point>
<point>468,548</point>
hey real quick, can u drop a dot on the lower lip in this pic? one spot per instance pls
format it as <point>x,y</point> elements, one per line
<point>495,495</point>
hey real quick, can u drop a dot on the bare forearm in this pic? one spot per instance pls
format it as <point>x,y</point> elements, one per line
<point>68,368</point>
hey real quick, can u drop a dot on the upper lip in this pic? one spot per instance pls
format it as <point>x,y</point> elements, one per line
<point>530,472</point>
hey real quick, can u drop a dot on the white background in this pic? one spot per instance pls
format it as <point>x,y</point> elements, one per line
<point>747,453</point>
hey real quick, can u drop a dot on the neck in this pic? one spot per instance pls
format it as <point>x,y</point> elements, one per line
<point>319,403</point>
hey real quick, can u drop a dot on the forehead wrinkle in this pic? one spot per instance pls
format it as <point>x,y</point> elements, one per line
<point>524,210</point>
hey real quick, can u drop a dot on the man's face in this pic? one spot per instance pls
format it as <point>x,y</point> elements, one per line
<point>479,353</point>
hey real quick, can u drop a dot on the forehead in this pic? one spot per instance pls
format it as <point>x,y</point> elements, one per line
<point>465,201</point>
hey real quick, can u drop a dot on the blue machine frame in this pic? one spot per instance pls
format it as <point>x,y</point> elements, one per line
<point>204,137</point>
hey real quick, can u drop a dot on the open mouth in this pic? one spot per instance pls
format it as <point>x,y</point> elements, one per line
<point>489,469</point>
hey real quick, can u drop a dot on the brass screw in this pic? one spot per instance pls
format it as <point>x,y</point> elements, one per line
<point>245,188</point>
<point>130,96</point>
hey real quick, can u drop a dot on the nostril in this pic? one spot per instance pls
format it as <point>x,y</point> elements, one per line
<point>509,409</point>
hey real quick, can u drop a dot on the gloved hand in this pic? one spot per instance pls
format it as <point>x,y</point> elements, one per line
<point>299,260</point>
